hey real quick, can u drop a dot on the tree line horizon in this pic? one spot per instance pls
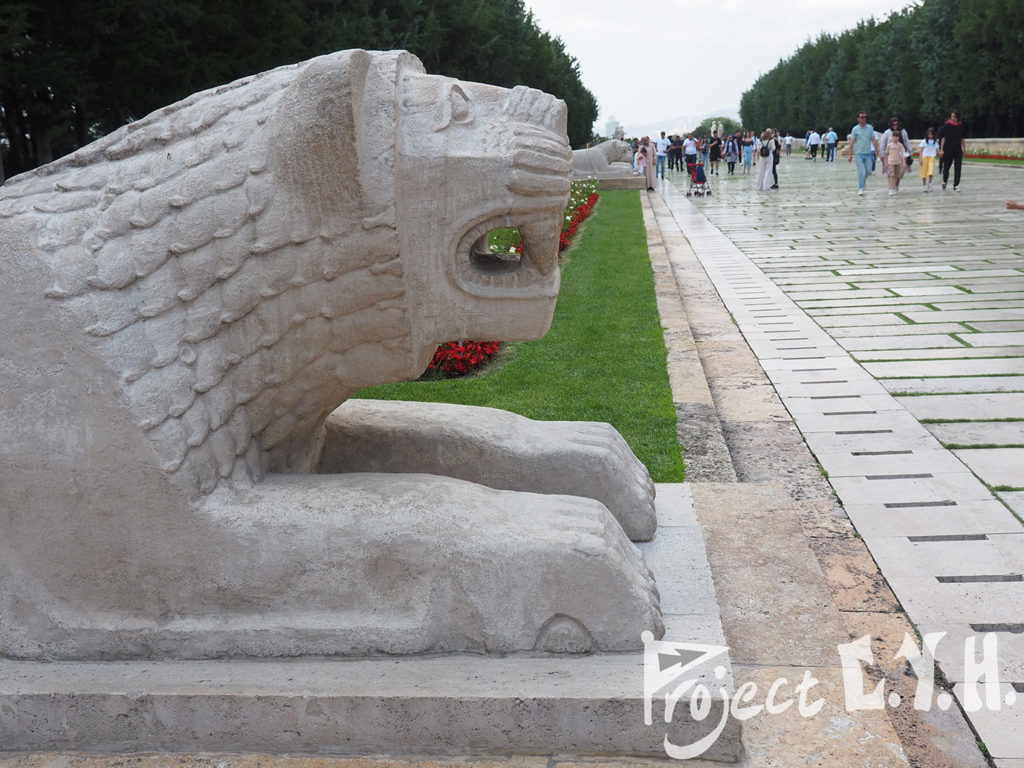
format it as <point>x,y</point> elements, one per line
<point>72,71</point>
<point>918,64</point>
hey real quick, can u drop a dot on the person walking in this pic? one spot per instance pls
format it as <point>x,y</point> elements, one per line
<point>661,152</point>
<point>732,153</point>
<point>649,170</point>
<point>864,146</point>
<point>831,140</point>
<point>929,153</point>
<point>690,149</point>
<point>675,154</point>
<point>714,152</point>
<point>765,148</point>
<point>895,149</point>
<point>776,157</point>
<point>813,142</point>
<point>748,150</point>
<point>789,143</point>
<point>952,142</point>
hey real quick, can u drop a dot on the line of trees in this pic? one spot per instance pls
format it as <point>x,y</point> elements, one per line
<point>74,70</point>
<point>919,63</point>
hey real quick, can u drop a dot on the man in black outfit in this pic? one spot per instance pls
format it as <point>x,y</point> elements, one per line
<point>951,148</point>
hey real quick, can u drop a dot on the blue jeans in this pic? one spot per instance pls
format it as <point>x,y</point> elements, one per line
<point>659,169</point>
<point>863,167</point>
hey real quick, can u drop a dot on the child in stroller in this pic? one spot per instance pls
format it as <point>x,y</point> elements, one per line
<point>698,181</point>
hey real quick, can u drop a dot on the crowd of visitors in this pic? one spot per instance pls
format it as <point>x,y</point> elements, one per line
<point>892,149</point>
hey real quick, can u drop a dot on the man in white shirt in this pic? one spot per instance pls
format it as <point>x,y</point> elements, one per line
<point>690,150</point>
<point>813,141</point>
<point>662,153</point>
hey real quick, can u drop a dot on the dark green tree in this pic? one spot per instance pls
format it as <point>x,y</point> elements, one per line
<point>918,63</point>
<point>71,71</point>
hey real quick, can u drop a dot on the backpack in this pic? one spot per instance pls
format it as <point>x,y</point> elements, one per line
<point>765,150</point>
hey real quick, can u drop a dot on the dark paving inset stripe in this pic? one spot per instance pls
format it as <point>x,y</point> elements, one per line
<point>979,579</point>
<point>914,504</point>
<point>879,453</point>
<point>864,432</point>
<point>949,537</point>
<point>898,477</point>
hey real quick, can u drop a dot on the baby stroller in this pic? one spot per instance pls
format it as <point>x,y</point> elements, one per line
<point>698,181</point>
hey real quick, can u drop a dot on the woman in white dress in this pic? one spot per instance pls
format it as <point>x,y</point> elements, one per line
<point>765,147</point>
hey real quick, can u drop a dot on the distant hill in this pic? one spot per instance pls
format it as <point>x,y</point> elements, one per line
<point>679,124</point>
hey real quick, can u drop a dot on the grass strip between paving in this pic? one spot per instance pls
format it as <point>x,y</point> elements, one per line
<point>604,358</point>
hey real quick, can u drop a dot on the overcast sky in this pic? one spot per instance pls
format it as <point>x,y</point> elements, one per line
<point>647,62</point>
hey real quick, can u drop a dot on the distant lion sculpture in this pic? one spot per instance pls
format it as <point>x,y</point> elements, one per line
<point>611,159</point>
<point>188,300</point>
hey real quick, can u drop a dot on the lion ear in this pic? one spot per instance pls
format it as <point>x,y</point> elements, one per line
<point>317,140</point>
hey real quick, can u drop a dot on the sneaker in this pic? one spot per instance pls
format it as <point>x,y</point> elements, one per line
<point>892,192</point>
<point>860,191</point>
<point>774,186</point>
<point>943,185</point>
<point>956,189</point>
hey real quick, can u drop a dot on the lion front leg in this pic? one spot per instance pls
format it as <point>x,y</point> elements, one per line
<point>379,563</point>
<point>495,448</point>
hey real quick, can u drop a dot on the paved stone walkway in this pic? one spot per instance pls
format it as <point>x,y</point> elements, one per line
<point>893,330</point>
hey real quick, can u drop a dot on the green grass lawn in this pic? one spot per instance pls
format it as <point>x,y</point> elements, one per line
<point>604,357</point>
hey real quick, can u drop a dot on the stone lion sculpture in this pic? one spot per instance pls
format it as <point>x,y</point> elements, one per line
<point>610,159</point>
<point>186,303</point>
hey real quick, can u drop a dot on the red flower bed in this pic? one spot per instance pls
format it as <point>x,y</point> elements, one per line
<point>985,156</point>
<point>573,220</point>
<point>457,358</point>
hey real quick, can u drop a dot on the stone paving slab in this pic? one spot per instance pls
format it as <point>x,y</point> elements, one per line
<point>850,464</point>
<point>868,442</point>
<point>958,352</point>
<point>850,420</point>
<point>1014,500</point>
<point>1010,433</point>
<point>964,384</point>
<point>904,329</point>
<point>996,327</point>
<point>911,489</point>
<point>922,558</point>
<point>927,290</point>
<point>1000,731</point>
<point>984,407</point>
<point>996,466</point>
<point>914,369</point>
<point>899,342</point>
<point>859,386</point>
<point>951,651</point>
<point>984,517</point>
<point>846,404</point>
<point>994,339</point>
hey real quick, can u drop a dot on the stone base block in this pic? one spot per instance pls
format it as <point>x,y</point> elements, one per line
<point>443,705</point>
<point>627,182</point>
